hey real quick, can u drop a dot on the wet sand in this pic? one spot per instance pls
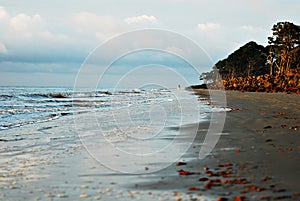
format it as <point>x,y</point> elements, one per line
<point>256,158</point>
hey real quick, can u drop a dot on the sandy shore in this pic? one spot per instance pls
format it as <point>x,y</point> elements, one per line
<point>256,158</point>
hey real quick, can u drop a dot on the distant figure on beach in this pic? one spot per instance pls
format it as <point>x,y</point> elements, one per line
<point>178,87</point>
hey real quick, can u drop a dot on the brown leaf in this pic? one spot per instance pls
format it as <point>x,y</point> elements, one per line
<point>183,172</point>
<point>267,178</point>
<point>194,188</point>
<point>239,198</point>
<point>237,150</point>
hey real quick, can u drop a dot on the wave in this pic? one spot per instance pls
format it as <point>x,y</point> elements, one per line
<point>40,119</point>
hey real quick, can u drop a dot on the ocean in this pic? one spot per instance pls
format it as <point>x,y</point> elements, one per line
<point>49,117</point>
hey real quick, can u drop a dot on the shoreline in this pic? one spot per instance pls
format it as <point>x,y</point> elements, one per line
<point>256,158</point>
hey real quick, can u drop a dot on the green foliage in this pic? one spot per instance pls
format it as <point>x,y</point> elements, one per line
<point>280,56</point>
<point>285,44</point>
<point>249,59</point>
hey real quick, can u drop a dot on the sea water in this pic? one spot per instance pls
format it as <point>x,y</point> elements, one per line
<point>41,127</point>
<point>38,119</point>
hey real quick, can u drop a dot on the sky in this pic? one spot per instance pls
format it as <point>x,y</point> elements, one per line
<point>47,43</point>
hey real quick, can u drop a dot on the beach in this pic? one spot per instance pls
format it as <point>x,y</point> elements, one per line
<point>256,158</point>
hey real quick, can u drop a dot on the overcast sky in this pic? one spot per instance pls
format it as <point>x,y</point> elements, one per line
<point>45,42</point>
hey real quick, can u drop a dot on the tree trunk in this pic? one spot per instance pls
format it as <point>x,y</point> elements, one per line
<point>249,69</point>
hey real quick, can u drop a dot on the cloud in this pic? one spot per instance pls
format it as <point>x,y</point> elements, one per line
<point>96,22</point>
<point>247,27</point>
<point>141,19</point>
<point>33,38</point>
<point>208,26</point>
<point>3,49</point>
<point>26,24</point>
<point>104,27</point>
<point>3,13</point>
<point>96,26</point>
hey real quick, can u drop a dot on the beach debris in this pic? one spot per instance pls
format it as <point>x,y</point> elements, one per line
<point>260,189</point>
<point>268,140</point>
<point>59,95</point>
<point>278,190</point>
<point>205,168</point>
<point>84,186</point>
<point>225,165</point>
<point>295,128</point>
<point>222,199</point>
<point>50,195</point>
<point>183,172</point>
<point>267,127</point>
<point>177,194</point>
<point>194,188</point>
<point>282,197</point>
<point>237,150</point>
<point>280,150</point>
<point>233,109</point>
<point>210,174</point>
<point>260,131</point>
<point>267,178</point>
<point>12,187</point>
<point>213,182</point>
<point>239,198</point>
<point>203,179</point>
<point>289,149</point>
<point>265,197</point>
<point>62,196</point>
<point>83,195</point>
<point>180,163</point>
<point>283,126</point>
<point>146,168</point>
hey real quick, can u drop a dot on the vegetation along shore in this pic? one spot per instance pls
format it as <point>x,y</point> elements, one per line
<point>255,68</point>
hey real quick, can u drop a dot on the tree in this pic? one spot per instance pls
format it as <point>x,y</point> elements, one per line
<point>249,59</point>
<point>285,44</point>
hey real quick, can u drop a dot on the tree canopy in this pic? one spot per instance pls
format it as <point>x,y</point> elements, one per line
<point>280,56</point>
<point>249,59</point>
<point>284,45</point>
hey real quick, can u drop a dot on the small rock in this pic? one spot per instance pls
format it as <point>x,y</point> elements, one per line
<point>295,128</point>
<point>222,199</point>
<point>62,196</point>
<point>180,163</point>
<point>50,195</point>
<point>267,127</point>
<point>203,179</point>
<point>83,195</point>
<point>12,187</point>
<point>267,178</point>
<point>205,168</point>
